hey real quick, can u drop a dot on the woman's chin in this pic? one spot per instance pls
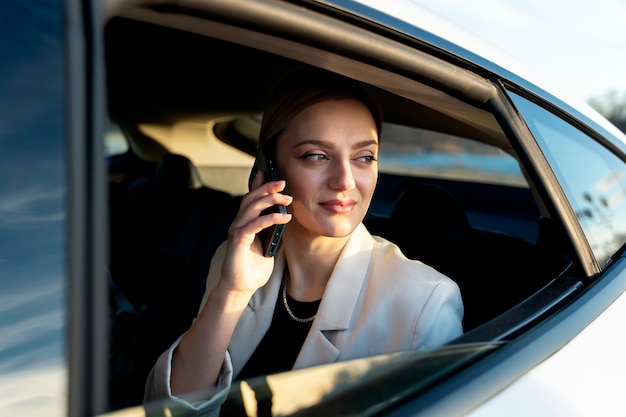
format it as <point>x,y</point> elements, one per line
<point>337,226</point>
<point>340,229</point>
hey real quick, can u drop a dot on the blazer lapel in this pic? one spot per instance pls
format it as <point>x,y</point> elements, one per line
<point>339,302</point>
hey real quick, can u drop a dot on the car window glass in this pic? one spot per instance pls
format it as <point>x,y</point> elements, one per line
<point>592,177</point>
<point>419,152</point>
<point>33,365</point>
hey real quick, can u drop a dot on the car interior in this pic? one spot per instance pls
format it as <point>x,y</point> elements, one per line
<point>187,97</point>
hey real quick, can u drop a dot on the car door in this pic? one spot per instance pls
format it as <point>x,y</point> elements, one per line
<point>50,198</point>
<point>456,96</point>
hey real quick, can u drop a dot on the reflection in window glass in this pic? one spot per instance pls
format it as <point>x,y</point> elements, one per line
<point>33,365</point>
<point>410,151</point>
<point>593,178</point>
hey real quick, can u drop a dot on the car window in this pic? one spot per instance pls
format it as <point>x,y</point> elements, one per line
<point>474,171</point>
<point>484,227</point>
<point>420,152</point>
<point>592,177</point>
<point>33,211</point>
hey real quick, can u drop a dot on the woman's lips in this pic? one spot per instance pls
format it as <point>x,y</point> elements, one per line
<point>338,206</point>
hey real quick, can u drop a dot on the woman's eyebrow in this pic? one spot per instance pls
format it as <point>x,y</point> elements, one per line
<point>331,145</point>
<point>316,142</point>
<point>365,144</point>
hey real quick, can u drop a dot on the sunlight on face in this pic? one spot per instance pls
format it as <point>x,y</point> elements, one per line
<point>327,155</point>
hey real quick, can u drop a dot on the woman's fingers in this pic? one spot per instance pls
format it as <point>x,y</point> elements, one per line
<point>263,197</point>
<point>251,220</point>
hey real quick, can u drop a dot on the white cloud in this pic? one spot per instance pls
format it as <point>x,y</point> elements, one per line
<point>38,393</point>
<point>19,206</point>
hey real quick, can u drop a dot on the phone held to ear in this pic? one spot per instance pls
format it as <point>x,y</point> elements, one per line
<point>265,162</point>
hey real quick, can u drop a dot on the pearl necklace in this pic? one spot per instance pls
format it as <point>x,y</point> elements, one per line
<point>293,316</point>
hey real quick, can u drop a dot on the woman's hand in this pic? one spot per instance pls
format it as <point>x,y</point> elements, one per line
<point>197,361</point>
<point>245,269</point>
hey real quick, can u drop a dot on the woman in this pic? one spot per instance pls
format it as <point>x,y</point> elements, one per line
<point>333,292</point>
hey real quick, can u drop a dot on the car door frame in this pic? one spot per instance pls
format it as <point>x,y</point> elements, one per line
<point>87,211</point>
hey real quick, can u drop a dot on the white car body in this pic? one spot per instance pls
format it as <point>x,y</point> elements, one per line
<point>563,357</point>
<point>554,387</point>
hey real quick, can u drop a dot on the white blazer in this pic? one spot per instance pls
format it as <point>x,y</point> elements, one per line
<point>376,301</point>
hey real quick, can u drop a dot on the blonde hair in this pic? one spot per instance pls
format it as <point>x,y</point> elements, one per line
<point>306,87</point>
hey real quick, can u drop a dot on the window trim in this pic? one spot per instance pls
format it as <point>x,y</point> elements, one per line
<point>542,177</point>
<point>87,344</point>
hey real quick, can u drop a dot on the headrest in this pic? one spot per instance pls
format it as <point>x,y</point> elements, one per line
<point>428,223</point>
<point>174,172</point>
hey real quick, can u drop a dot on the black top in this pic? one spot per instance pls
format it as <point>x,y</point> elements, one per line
<point>281,344</point>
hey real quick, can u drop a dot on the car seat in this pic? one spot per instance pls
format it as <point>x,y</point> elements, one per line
<point>163,222</point>
<point>494,270</point>
<point>429,224</point>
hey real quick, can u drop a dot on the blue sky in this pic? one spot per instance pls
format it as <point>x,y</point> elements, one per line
<point>577,45</point>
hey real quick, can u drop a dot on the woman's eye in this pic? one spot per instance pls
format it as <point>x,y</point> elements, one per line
<point>314,157</point>
<point>367,158</point>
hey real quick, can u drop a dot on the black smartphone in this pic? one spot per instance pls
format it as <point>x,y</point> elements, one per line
<point>265,162</point>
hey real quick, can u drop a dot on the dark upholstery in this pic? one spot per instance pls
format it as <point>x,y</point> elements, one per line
<point>494,270</point>
<point>174,174</point>
<point>161,227</point>
<point>429,224</point>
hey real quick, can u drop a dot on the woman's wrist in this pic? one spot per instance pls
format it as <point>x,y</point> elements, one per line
<point>231,299</point>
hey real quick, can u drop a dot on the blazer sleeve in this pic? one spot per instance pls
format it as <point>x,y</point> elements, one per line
<point>205,403</point>
<point>442,318</point>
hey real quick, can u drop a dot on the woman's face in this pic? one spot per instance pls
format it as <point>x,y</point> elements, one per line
<point>328,157</point>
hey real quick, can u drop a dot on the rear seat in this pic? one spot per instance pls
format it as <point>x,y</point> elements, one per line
<point>494,271</point>
<point>162,230</point>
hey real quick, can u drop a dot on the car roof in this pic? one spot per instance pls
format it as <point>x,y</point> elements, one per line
<point>455,40</point>
<point>405,19</point>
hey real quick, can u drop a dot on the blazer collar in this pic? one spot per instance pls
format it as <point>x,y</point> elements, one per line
<point>346,281</point>
<point>342,290</point>
<point>334,314</point>
<point>339,302</point>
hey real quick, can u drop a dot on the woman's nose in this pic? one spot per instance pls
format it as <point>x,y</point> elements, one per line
<point>341,176</point>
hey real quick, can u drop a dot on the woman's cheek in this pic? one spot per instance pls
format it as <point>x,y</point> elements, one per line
<point>368,185</point>
<point>299,184</point>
